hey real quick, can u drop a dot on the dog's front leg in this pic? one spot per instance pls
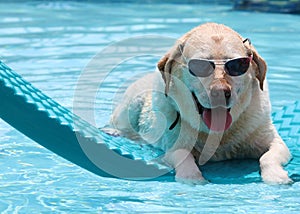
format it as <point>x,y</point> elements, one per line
<point>181,158</point>
<point>185,166</point>
<point>271,163</point>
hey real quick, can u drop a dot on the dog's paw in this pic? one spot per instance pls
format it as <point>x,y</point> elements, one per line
<point>191,181</point>
<point>191,176</point>
<point>275,175</point>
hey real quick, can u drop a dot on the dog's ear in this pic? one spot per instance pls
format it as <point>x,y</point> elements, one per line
<point>261,67</point>
<point>165,65</point>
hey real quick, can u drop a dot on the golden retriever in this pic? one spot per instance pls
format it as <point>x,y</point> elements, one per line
<point>207,101</point>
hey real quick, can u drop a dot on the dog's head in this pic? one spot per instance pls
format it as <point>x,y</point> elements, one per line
<point>219,67</point>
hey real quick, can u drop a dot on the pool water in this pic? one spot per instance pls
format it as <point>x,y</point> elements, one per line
<point>50,44</point>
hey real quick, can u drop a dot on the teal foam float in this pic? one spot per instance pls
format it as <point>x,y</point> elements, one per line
<point>56,128</point>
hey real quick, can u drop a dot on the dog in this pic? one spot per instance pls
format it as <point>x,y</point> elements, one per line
<point>207,101</point>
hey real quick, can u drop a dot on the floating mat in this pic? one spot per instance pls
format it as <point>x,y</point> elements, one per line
<point>287,122</point>
<point>56,128</point>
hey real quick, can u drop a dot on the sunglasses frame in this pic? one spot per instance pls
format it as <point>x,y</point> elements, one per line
<point>213,63</point>
<point>217,62</point>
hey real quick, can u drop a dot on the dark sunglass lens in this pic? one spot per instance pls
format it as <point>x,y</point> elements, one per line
<point>237,67</point>
<point>201,68</point>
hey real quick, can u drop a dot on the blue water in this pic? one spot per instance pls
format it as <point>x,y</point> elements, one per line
<point>50,44</point>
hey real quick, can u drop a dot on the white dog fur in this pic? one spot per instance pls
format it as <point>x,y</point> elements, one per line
<point>161,109</point>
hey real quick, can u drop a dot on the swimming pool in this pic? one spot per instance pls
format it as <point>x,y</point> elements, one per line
<point>50,43</point>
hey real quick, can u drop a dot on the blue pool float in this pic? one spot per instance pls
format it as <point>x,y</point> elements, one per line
<point>56,128</point>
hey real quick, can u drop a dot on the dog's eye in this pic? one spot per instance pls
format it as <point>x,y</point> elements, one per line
<point>201,68</point>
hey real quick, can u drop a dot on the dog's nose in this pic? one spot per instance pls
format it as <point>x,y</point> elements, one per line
<point>221,92</point>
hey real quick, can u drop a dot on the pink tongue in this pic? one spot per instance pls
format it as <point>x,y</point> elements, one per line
<point>217,119</point>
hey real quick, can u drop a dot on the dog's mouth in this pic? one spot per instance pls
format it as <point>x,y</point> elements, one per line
<point>216,119</point>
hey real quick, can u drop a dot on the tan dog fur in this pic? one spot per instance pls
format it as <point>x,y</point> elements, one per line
<point>150,107</point>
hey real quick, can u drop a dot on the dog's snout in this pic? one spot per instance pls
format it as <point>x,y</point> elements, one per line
<point>221,92</point>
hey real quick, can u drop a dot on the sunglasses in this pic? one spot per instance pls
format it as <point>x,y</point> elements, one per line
<point>205,67</point>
